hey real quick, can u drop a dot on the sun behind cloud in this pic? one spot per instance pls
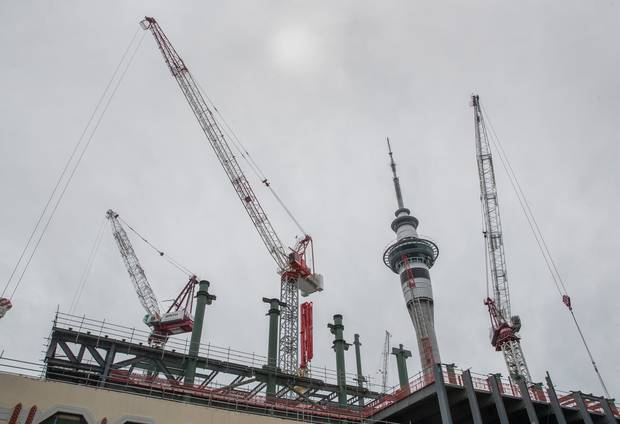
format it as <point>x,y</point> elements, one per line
<point>295,48</point>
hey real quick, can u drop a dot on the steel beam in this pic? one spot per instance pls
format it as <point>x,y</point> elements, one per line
<point>497,399</point>
<point>109,358</point>
<point>471,397</point>
<point>62,364</point>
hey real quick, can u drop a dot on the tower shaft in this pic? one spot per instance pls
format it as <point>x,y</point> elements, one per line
<point>411,257</point>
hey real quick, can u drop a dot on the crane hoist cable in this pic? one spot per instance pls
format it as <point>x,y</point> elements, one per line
<point>249,159</point>
<point>541,242</point>
<point>160,252</point>
<point>73,162</point>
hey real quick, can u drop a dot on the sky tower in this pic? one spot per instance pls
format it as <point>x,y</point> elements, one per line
<point>411,257</point>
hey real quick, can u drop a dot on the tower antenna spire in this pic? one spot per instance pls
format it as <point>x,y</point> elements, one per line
<point>399,195</point>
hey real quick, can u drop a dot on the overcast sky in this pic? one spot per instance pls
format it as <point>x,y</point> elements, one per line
<point>313,89</point>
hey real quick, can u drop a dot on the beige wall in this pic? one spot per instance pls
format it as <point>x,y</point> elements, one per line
<point>96,404</point>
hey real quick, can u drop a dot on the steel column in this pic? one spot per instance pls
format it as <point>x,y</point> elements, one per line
<point>272,349</point>
<point>609,415</point>
<point>203,298</point>
<point>471,397</point>
<point>583,409</point>
<point>497,399</point>
<point>358,361</point>
<point>401,363</point>
<point>527,400</point>
<point>555,403</point>
<point>340,345</point>
<point>442,395</point>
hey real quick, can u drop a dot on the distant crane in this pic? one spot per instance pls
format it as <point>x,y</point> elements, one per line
<point>385,355</point>
<point>295,272</point>
<point>505,327</point>
<point>178,318</point>
<point>5,305</point>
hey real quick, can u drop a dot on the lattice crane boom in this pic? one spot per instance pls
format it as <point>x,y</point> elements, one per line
<point>295,273</point>
<point>178,317</point>
<point>136,272</point>
<point>220,145</point>
<point>504,326</point>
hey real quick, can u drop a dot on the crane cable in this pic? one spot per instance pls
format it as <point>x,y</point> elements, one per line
<point>89,265</point>
<point>232,135</point>
<point>542,244</point>
<point>161,253</point>
<point>76,163</point>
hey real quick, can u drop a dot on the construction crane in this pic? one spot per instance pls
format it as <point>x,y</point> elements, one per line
<point>385,355</point>
<point>5,305</point>
<point>504,326</point>
<point>295,271</point>
<point>178,318</point>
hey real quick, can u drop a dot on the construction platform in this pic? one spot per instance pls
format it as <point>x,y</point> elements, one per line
<point>97,355</point>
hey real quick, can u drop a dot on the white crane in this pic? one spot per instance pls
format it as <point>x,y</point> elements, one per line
<point>177,319</point>
<point>505,327</point>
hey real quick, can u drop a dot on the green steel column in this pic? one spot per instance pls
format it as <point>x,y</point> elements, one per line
<point>340,346</point>
<point>272,349</point>
<point>358,360</point>
<point>401,362</point>
<point>203,298</point>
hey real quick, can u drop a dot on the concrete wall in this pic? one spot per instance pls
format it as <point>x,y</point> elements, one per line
<point>96,404</point>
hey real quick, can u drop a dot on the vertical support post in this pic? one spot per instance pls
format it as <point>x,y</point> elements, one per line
<point>471,397</point>
<point>358,361</point>
<point>203,298</point>
<point>109,358</point>
<point>442,395</point>
<point>401,363</point>
<point>340,346</point>
<point>527,400</point>
<point>492,380</point>
<point>609,414</point>
<point>555,403</point>
<point>272,348</point>
<point>583,409</point>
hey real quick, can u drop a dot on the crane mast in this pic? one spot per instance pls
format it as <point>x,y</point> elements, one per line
<point>504,326</point>
<point>295,273</point>
<point>385,355</point>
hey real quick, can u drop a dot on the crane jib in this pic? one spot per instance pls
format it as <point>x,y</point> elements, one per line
<point>219,144</point>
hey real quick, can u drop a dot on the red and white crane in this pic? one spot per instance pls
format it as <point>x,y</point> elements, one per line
<point>505,327</point>
<point>296,274</point>
<point>178,317</point>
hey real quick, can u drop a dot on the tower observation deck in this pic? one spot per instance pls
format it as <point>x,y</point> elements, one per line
<point>411,257</point>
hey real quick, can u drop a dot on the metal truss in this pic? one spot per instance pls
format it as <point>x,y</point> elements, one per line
<point>100,360</point>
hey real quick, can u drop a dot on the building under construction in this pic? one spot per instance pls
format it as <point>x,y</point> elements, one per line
<point>94,371</point>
